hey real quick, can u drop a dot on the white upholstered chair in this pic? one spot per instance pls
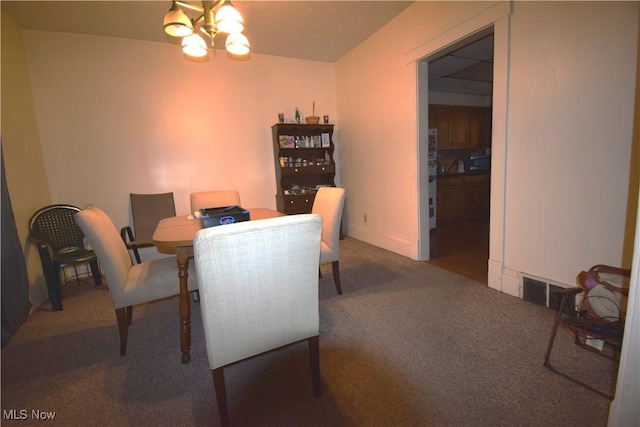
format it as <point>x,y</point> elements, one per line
<point>258,284</point>
<point>129,284</point>
<point>214,199</point>
<point>329,203</point>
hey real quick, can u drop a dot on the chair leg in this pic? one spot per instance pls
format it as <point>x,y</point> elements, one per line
<point>547,356</point>
<point>221,395</point>
<point>123,328</point>
<point>95,272</point>
<point>51,272</point>
<point>314,356</point>
<point>552,338</point>
<point>136,254</point>
<point>129,315</point>
<point>336,276</point>
<point>54,290</point>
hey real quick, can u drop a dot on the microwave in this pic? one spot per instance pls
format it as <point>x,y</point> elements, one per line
<point>479,162</point>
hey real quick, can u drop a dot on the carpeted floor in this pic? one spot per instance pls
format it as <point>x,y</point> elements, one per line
<point>408,344</point>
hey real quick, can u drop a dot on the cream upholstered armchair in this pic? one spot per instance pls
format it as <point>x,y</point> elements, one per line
<point>214,199</point>
<point>129,284</point>
<point>329,203</point>
<point>258,284</point>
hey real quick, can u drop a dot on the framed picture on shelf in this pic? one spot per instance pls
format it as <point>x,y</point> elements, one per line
<point>326,141</point>
<point>286,141</point>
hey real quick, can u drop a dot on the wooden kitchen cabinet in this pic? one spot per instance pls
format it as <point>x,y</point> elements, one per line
<point>462,197</point>
<point>449,200</point>
<point>475,194</point>
<point>478,126</point>
<point>461,126</point>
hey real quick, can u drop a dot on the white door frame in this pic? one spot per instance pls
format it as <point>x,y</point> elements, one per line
<point>498,17</point>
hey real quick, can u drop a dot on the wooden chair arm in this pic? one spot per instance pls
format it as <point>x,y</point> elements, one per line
<point>567,297</point>
<point>126,233</point>
<point>567,292</point>
<point>601,268</point>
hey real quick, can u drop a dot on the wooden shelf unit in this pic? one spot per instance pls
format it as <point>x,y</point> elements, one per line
<point>309,163</point>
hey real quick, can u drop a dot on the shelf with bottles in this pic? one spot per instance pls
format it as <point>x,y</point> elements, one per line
<point>305,163</point>
<point>321,140</point>
<point>303,156</point>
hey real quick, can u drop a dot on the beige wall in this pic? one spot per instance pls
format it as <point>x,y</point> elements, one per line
<point>116,116</point>
<point>570,135</point>
<point>567,129</point>
<point>119,116</point>
<point>26,177</point>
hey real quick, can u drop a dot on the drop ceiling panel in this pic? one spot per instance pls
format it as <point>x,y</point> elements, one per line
<point>467,70</point>
<point>482,71</point>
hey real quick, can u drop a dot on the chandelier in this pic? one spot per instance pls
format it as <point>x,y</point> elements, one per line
<point>216,17</point>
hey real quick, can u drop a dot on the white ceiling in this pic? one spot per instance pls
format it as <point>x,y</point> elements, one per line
<point>313,30</point>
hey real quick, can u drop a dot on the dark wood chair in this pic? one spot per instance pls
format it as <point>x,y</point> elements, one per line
<point>146,211</point>
<point>597,317</point>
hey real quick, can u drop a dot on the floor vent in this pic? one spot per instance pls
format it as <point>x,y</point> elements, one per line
<point>534,291</point>
<point>541,293</point>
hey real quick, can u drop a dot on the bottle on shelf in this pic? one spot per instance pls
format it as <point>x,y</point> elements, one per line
<point>303,163</point>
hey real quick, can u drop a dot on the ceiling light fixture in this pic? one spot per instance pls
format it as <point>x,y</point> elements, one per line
<point>216,17</point>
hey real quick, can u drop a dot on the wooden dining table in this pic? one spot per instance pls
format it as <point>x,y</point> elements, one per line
<point>175,235</point>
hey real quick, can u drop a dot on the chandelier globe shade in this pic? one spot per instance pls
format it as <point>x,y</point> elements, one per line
<point>177,23</point>
<point>229,20</point>
<point>216,16</point>
<point>194,46</point>
<point>237,44</point>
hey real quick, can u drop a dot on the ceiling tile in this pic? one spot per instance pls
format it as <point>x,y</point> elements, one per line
<point>449,64</point>
<point>482,71</point>
<point>481,50</point>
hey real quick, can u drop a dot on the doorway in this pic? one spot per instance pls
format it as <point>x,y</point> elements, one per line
<point>460,91</point>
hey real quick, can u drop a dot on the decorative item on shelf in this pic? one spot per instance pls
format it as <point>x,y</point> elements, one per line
<point>217,17</point>
<point>326,140</point>
<point>300,170</point>
<point>294,189</point>
<point>280,117</point>
<point>313,119</point>
<point>297,115</point>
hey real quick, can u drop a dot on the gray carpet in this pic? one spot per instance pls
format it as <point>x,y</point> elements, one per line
<point>408,344</point>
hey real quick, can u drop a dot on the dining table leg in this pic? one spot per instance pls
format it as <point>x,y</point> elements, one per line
<point>182,257</point>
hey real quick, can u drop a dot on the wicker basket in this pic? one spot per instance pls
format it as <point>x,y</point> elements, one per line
<point>312,120</point>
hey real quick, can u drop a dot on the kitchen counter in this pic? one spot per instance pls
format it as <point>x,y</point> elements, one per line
<point>467,173</point>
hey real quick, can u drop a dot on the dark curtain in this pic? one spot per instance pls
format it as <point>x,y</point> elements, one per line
<point>15,283</point>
